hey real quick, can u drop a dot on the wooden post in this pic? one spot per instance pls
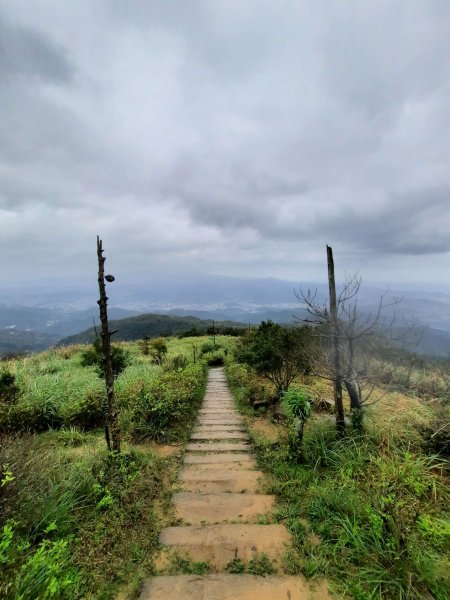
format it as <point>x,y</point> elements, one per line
<point>112,431</point>
<point>334,320</point>
<point>214,333</point>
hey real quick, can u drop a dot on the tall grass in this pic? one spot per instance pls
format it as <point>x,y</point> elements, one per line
<point>71,521</point>
<point>76,522</point>
<point>380,512</point>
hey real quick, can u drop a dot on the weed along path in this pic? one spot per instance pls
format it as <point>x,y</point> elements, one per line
<point>226,546</point>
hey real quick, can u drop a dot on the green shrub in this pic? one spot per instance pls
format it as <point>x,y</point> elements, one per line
<point>158,350</point>
<point>44,572</point>
<point>8,388</point>
<point>179,361</point>
<point>208,347</point>
<point>173,396</point>
<point>277,352</point>
<point>248,387</point>
<point>32,415</point>
<point>214,358</point>
<point>93,357</point>
<point>297,407</point>
<point>145,345</point>
<point>48,573</point>
<point>86,412</point>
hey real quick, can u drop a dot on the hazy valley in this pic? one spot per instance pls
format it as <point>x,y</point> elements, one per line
<point>33,320</point>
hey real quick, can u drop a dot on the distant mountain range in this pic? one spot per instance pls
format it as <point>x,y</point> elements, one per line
<point>32,320</point>
<point>151,325</point>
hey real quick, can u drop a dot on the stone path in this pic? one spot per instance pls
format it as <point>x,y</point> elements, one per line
<point>220,505</point>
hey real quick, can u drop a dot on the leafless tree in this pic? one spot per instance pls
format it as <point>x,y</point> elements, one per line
<point>346,335</point>
<point>112,431</point>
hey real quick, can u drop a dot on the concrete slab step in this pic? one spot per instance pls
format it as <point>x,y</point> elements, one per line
<point>217,508</point>
<point>211,481</point>
<point>218,415</point>
<point>219,435</point>
<point>231,587</point>
<point>217,447</point>
<point>203,428</point>
<point>220,544</point>
<point>223,466</point>
<point>220,421</point>
<point>220,412</point>
<point>217,409</point>
<point>219,458</point>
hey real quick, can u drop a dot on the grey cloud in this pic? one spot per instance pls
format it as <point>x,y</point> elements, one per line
<point>237,136</point>
<point>32,54</point>
<point>409,224</point>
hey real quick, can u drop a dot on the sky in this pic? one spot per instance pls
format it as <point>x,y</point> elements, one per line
<point>225,137</point>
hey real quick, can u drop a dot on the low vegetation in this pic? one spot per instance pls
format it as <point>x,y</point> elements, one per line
<point>76,521</point>
<point>368,510</point>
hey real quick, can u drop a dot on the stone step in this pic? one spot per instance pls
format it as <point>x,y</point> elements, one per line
<point>216,400</point>
<point>217,508</point>
<point>220,408</point>
<point>219,458</point>
<point>231,587</point>
<point>220,544</point>
<point>203,428</point>
<point>219,435</point>
<point>217,447</point>
<point>215,482</point>
<point>220,412</point>
<point>220,417</point>
<point>223,466</point>
<point>220,421</point>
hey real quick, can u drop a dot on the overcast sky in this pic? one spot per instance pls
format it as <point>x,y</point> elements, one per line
<point>233,137</point>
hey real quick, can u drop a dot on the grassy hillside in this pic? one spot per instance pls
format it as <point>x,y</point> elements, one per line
<point>151,325</point>
<point>368,511</point>
<point>75,521</point>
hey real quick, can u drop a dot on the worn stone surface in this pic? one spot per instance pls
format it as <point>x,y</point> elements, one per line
<point>214,412</point>
<point>217,447</point>
<point>204,428</point>
<point>218,458</point>
<point>219,435</point>
<point>229,422</point>
<point>231,587</point>
<point>221,508</point>
<point>216,508</point>
<point>220,544</point>
<point>208,481</point>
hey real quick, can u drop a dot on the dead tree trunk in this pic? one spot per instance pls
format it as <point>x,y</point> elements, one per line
<point>112,431</point>
<point>337,372</point>
<point>352,387</point>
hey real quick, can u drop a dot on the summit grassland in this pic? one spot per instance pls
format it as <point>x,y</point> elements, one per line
<point>367,510</point>
<point>76,521</point>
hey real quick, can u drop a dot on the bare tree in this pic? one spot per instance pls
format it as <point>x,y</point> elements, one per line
<point>334,322</point>
<point>112,431</point>
<point>345,338</point>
